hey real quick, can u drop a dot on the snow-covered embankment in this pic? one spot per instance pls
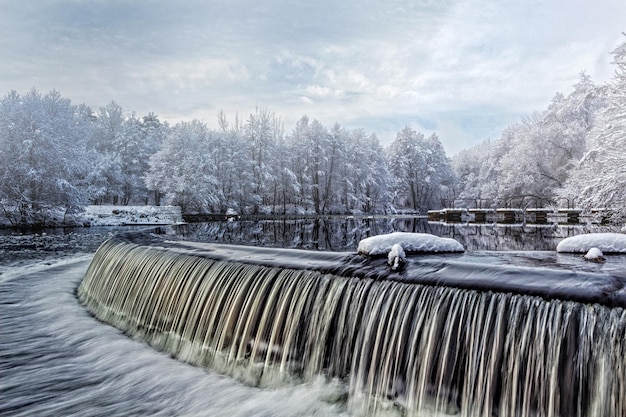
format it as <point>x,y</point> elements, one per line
<point>133,215</point>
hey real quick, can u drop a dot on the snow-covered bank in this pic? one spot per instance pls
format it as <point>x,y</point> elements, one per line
<point>97,215</point>
<point>132,215</point>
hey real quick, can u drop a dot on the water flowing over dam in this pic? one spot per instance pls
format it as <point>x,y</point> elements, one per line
<point>445,336</point>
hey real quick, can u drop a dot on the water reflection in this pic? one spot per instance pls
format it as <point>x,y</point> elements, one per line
<point>344,233</point>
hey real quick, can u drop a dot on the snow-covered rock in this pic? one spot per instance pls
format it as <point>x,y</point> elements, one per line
<point>594,255</point>
<point>605,242</point>
<point>409,242</point>
<point>396,257</point>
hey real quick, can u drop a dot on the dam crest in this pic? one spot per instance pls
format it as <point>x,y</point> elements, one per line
<point>445,336</point>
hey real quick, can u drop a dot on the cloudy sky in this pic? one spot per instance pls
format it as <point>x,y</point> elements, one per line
<point>465,69</point>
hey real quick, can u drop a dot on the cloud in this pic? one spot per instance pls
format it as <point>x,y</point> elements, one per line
<point>324,92</point>
<point>463,68</point>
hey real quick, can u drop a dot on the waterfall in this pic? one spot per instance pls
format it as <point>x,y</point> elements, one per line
<point>399,346</point>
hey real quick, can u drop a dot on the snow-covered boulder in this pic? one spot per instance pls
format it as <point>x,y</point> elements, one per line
<point>605,242</point>
<point>396,257</point>
<point>594,255</point>
<point>409,242</point>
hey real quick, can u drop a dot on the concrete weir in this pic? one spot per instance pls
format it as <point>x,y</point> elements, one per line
<point>443,336</point>
<point>507,215</point>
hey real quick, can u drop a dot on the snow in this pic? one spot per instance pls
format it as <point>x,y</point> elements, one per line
<point>396,252</point>
<point>594,254</point>
<point>409,242</point>
<point>111,215</point>
<point>396,257</point>
<point>604,242</point>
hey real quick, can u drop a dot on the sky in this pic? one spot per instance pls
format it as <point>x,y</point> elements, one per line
<point>464,69</point>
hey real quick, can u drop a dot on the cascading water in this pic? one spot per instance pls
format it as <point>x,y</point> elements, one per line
<point>399,345</point>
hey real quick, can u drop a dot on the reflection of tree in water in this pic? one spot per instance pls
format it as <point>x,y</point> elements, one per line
<point>344,234</point>
<point>332,234</point>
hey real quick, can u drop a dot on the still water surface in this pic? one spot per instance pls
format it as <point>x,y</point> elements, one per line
<point>521,242</point>
<point>344,234</point>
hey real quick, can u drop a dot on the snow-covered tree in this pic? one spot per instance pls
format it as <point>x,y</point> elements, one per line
<point>600,178</point>
<point>533,158</point>
<point>230,160</point>
<point>440,180</point>
<point>109,138</point>
<point>285,187</point>
<point>44,156</point>
<point>475,169</point>
<point>368,179</point>
<point>184,169</point>
<point>546,145</point>
<point>153,133</point>
<point>141,138</point>
<point>422,171</point>
<point>124,146</point>
<point>337,154</point>
<point>259,138</point>
<point>317,163</point>
<point>301,163</point>
<point>337,171</point>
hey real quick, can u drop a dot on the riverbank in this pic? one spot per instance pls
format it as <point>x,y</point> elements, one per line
<point>99,215</point>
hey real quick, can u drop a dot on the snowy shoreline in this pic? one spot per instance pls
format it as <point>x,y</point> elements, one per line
<point>110,215</point>
<point>107,215</point>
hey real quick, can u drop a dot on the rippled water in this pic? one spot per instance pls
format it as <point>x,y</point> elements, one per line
<point>57,360</point>
<point>25,247</point>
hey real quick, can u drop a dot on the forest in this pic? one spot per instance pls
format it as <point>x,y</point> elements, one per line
<point>58,157</point>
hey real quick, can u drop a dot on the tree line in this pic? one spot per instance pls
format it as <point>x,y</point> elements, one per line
<point>61,157</point>
<point>58,157</point>
<point>572,154</point>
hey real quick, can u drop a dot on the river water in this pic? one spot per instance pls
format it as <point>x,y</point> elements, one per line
<point>56,359</point>
<point>18,248</point>
<point>344,233</point>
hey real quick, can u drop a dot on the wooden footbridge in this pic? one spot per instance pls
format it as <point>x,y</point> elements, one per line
<point>509,215</point>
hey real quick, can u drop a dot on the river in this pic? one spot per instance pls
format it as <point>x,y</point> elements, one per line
<point>56,359</point>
